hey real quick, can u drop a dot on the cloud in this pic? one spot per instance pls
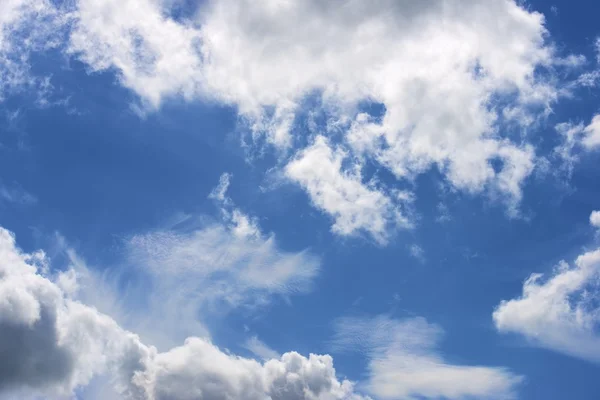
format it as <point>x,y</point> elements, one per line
<point>154,55</point>
<point>450,79</point>
<point>404,362</point>
<point>53,344</point>
<point>560,311</point>
<point>577,137</point>
<point>417,252</point>
<point>595,219</point>
<point>211,269</point>
<point>16,195</point>
<point>260,349</point>
<point>354,206</point>
<point>199,370</point>
<point>591,134</point>
<point>27,26</point>
<point>50,343</point>
<point>241,224</point>
<point>180,279</point>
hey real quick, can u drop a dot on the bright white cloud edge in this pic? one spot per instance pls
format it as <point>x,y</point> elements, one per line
<point>559,310</point>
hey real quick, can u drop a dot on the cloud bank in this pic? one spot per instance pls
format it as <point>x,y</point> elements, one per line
<point>53,344</point>
<point>453,79</point>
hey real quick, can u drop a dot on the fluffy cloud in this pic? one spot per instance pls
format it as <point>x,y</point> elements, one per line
<point>404,362</point>
<point>591,134</point>
<point>50,343</point>
<point>200,370</point>
<point>354,205</point>
<point>443,72</point>
<point>559,312</point>
<point>53,344</point>
<point>595,219</point>
<point>154,55</point>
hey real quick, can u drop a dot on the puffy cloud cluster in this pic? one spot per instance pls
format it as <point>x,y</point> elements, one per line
<point>442,70</point>
<point>199,370</point>
<point>452,78</point>
<point>53,344</point>
<point>559,312</point>
<point>50,343</point>
<point>405,364</point>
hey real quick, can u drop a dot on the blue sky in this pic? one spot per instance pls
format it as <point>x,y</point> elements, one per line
<point>299,200</point>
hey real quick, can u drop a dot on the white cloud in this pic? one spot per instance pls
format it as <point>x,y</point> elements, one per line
<point>172,283</point>
<point>211,269</point>
<point>241,224</point>
<point>595,219</point>
<point>50,343</point>
<point>591,134</point>
<point>559,312</point>
<point>355,206</point>
<point>438,69</point>
<point>404,362</point>
<point>16,195</point>
<point>260,349</point>
<point>154,55</point>
<point>417,252</point>
<point>200,370</point>
<point>576,138</point>
<point>53,344</point>
<point>202,270</point>
<point>27,26</point>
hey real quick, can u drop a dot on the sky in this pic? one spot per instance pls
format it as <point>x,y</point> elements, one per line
<point>299,200</point>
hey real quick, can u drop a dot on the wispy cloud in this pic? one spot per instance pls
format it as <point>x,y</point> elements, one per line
<point>170,282</point>
<point>404,362</point>
<point>260,349</point>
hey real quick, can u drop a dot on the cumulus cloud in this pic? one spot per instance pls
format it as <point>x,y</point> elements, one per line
<point>444,73</point>
<point>53,344</point>
<point>199,370</point>
<point>450,81</point>
<point>50,343</point>
<point>354,205</point>
<point>559,311</point>
<point>154,55</point>
<point>404,362</point>
<point>591,134</point>
<point>595,219</point>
